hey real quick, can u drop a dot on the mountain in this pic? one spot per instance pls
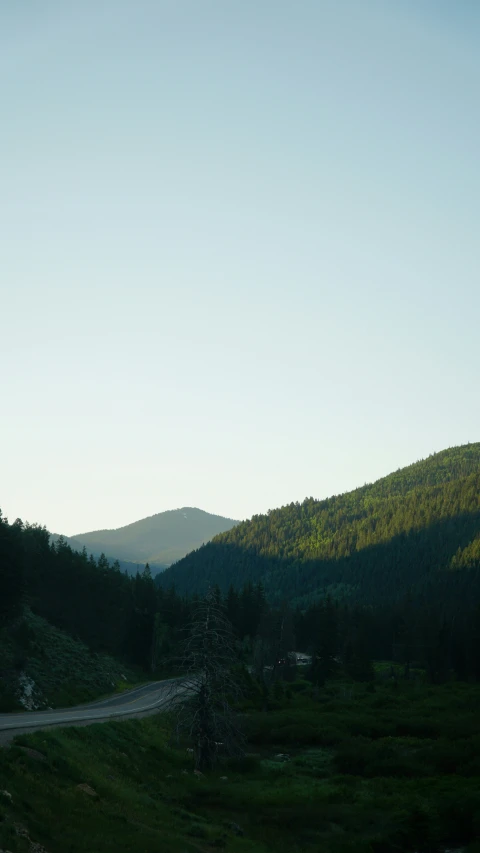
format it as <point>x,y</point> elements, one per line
<point>160,539</point>
<point>413,532</point>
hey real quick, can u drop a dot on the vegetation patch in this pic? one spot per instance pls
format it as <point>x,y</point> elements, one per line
<point>43,666</point>
<point>363,793</point>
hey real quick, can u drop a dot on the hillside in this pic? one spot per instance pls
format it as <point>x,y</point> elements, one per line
<point>64,616</point>
<point>409,532</point>
<point>42,666</point>
<point>160,539</point>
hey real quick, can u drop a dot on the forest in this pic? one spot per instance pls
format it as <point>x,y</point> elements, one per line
<point>415,532</point>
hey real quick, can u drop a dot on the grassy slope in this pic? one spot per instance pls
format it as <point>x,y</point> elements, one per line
<point>63,670</point>
<point>370,772</point>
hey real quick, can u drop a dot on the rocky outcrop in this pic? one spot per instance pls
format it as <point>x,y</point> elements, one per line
<point>87,789</point>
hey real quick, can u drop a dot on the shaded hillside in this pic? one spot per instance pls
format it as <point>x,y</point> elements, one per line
<point>58,605</point>
<point>370,545</point>
<point>159,540</point>
<point>42,666</point>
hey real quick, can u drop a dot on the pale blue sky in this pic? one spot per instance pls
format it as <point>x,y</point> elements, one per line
<point>239,250</point>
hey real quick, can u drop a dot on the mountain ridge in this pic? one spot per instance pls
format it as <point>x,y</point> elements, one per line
<point>320,546</point>
<point>159,539</point>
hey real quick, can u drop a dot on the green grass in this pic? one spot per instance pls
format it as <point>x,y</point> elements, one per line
<point>138,808</point>
<point>369,772</point>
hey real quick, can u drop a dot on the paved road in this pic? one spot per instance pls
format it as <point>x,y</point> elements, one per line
<point>140,701</point>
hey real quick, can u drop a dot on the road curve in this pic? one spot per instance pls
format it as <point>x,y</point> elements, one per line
<point>139,701</point>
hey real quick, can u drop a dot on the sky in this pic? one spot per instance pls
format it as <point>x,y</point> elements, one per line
<point>239,251</point>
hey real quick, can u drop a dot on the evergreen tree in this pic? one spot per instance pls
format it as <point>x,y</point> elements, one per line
<point>324,657</point>
<point>12,584</point>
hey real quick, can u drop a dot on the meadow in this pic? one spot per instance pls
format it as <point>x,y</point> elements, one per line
<point>373,768</point>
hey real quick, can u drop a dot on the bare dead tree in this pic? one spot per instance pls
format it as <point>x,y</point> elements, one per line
<point>209,685</point>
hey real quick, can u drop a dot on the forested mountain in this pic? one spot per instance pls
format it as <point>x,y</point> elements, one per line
<point>416,531</point>
<point>390,570</point>
<point>158,540</point>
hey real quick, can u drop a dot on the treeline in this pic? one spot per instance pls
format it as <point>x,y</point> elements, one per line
<point>413,532</point>
<point>338,636</point>
<point>112,612</point>
<point>434,624</point>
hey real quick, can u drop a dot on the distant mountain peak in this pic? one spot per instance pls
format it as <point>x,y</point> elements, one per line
<point>160,539</point>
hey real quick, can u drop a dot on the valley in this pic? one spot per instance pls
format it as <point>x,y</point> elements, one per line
<point>339,637</point>
<point>239,417</point>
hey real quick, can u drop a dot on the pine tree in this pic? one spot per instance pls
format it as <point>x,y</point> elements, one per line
<point>324,657</point>
<point>11,569</point>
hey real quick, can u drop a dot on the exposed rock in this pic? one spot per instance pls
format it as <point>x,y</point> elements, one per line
<point>282,756</point>
<point>7,795</point>
<point>21,830</point>
<point>198,773</point>
<point>223,778</point>
<point>33,753</point>
<point>87,789</point>
<point>184,772</point>
<point>28,693</point>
